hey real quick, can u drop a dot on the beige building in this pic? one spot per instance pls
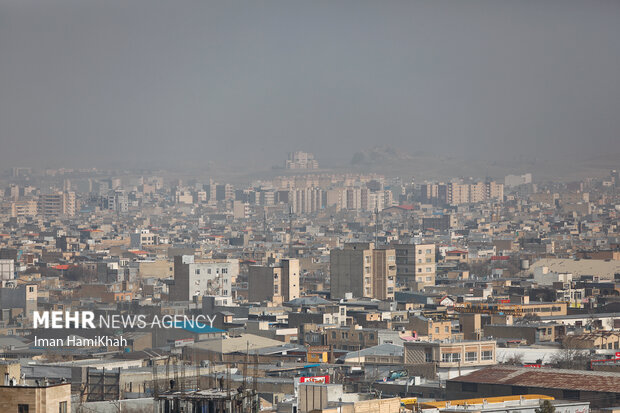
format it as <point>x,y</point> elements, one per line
<point>278,283</point>
<point>36,399</point>
<point>364,271</point>
<point>451,354</point>
<point>59,203</point>
<point>384,273</point>
<point>415,265</point>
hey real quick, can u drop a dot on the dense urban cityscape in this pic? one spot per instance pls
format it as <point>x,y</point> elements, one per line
<point>317,290</point>
<point>310,206</point>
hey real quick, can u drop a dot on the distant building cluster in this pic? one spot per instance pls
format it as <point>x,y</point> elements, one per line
<point>301,160</point>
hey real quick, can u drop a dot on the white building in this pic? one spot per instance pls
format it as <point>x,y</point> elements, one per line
<point>210,277</point>
<point>544,276</point>
<point>7,269</point>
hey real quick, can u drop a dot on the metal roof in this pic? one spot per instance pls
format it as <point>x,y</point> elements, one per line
<point>545,378</point>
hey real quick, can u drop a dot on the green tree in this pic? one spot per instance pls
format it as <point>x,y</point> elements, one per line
<point>545,407</point>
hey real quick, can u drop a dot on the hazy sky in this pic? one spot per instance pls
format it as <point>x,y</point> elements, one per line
<point>84,81</point>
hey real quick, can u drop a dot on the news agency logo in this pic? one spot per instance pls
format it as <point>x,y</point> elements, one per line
<point>88,320</point>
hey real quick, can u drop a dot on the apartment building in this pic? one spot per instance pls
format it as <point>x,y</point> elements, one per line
<point>415,265</point>
<point>54,398</point>
<point>456,193</point>
<point>452,358</point>
<point>301,160</point>
<point>355,337</point>
<point>277,283</point>
<point>364,271</point>
<point>57,204</point>
<point>205,277</point>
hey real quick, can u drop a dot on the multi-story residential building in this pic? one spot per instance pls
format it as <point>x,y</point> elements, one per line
<point>384,273</point>
<point>143,237</point>
<point>431,329</point>
<point>277,283</point>
<point>451,358</point>
<point>355,337</point>
<point>41,398</point>
<point>301,160</point>
<point>57,204</point>
<point>7,269</point>
<point>456,193</point>
<point>24,208</point>
<point>116,201</point>
<point>205,277</point>
<point>351,270</point>
<point>306,200</point>
<point>364,271</point>
<point>415,265</point>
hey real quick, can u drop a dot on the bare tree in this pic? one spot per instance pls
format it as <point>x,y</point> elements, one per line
<point>570,356</point>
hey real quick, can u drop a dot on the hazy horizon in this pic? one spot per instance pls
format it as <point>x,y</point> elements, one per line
<point>86,82</point>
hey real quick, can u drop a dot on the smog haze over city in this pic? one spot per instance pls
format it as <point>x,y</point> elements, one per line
<point>146,82</point>
<point>309,206</point>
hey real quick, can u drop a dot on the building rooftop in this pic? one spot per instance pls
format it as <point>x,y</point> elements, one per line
<point>545,378</point>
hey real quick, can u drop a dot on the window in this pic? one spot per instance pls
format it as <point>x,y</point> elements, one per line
<point>225,271</point>
<point>30,289</point>
<point>333,334</point>
<point>487,355</point>
<point>428,357</point>
<point>447,329</point>
<point>428,251</point>
<point>419,251</point>
<point>419,269</point>
<point>62,407</point>
<point>371,336</point>
<point>22,408</point>
<point>197,271</point>
<point>436,329</point>
<point>342,311</point>
<point>471,356</point>
<point>428,269</point>
<point>451,357</point>
<point>361,337</point>
<point>208,270</point>
<point>428,260</point>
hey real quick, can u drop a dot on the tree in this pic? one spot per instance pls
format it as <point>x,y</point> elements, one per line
<point>545,407</point>
<point>570,356</point>
<point>515,359</point>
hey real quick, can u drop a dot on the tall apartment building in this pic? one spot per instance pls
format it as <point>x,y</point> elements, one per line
<point>225,192</point>
<point>116,201</point>
<point>58,203</point>
<point>416,265</point>
<point>277,283</point>
<point>205,277</point>
<point>455,193</point>
<point>306,200</point>
<point>301,160</point>
<point>384,273</point>
<point>364,271</point>
<point>24,208</point>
